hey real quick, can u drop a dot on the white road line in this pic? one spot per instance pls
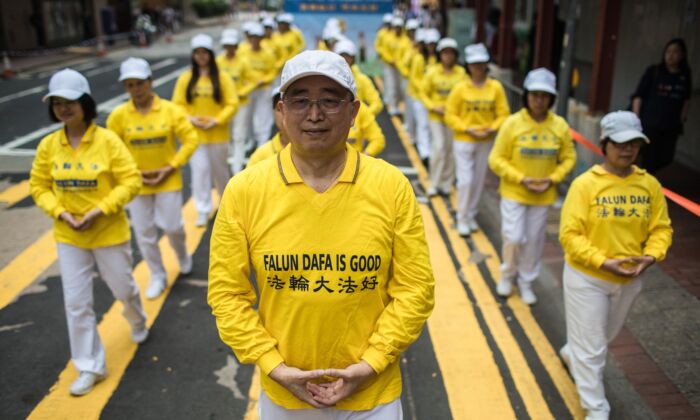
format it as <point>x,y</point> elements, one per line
<point>105,107</point>
<point>17,152</point>
<point>407,170</point>
<point>22,93</point>
<point>101,70</point>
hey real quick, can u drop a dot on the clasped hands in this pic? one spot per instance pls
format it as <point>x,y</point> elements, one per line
<point>82,224</point>
<point>204,123</point>
<point>628,267</point>
<point>537,185</point>
<point>323,394</point>
<point>156,176</point>
<point>481,133</point>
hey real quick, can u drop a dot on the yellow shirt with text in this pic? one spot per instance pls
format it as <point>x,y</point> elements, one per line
<point>437,85</point>
<point>243,76</point>
<point>471,107</point>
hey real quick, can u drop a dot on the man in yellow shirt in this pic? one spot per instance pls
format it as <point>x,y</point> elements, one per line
<point>391,74</point>
<point>265,64</point>
<point>294,39</point>
<point>404,54</point>
<point>336,241</point>
<point>366,92</point>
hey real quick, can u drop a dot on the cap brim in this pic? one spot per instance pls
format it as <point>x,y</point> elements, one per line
<point>628,135</point>
<point>134,75</point>
<point>69,94</point>
<point>289,82</point>
<point>541,87</point>
<point>478,59</point>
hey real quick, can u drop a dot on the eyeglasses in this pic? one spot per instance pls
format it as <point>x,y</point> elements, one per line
<point>302,105</point>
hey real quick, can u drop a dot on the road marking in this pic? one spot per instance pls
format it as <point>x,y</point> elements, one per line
<point>101,70</point>
<point>227,377</point>
<point>408,170</point>
<point>26,267</point>
<point>115,333</point>
<point>15,193</point>
<point>251,412</point>
<point>15,327</point>
<point>104,107</point>
<point>23,93</point>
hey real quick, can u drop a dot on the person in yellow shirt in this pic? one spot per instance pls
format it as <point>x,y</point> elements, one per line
<point>82,177</point>
<point>365,134</point>
<point>614,225</point>
<point>149,125</point>
<point>380,39</point>
<point>391,75</point>
<point>265,64</point>
<point>245,79</point>
<point>404,54</point>
<point>292,36</point>
<point>278,141</point>
<point>366,92</point>
<point>474,111</point>
<point>271,42</point>
<point>437,84</point>
<point>209,99</point>
<point>532,153</point>
<point>426,57</point>
<point>337,244</point>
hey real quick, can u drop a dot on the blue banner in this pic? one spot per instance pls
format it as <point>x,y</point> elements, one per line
<point>338,6</point>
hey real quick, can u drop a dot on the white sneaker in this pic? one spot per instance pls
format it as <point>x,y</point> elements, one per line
<point>85,382</point>
<point>504,288</point>
<point>432,192</point>
<point>463,229</point>
<point>527,295</point>
<point>565,356</point>
<point>202,220</point>
<point>186,265</point>
<point>139,336</point>
<point>155,288</point>
<point>473,226</point>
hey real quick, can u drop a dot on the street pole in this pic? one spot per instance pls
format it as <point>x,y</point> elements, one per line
<point>566,65</point>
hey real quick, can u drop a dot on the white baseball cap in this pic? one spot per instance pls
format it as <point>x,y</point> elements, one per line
<point>202,41</point>
<point>476,53</point>
<point>541,80</point>
<point>318,63</point>
<point>268,22</point>
<point>387,18</point>
<point>134,68</point>
<point>345,46</point>
<point>245,27</point>
<point>412,24</point>
<point>420,35</point>
<point>447,43</point>
<point>621,127</point>
<point>432,36</point>
<point>285,18</point>
<point>68,84</point>
<point>256,29</point>
<point>396,21</point>
<point>332,22</point>
<point>331,32</point>
<point>230,37</point>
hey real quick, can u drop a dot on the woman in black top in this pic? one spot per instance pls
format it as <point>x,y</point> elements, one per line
<point>661,101</point>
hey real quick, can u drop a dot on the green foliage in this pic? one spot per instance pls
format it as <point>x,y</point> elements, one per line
<point>209,8</point>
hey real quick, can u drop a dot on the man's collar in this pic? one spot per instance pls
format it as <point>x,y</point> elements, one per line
<point>290,175</point>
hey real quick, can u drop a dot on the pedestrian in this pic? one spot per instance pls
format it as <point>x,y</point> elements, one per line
<point>475,110</point>
<point>245,80</point>
<point>82,176</point>
<point>278,141</point>
<point>532,153</point>
<point>662,101</point>
<point>614,226</point>
<point>149,126</point>
<point>366,92</point>
<point>291,36</point>
<point>209,100</point>
<point>420,63</point>
<point>365,134</point>
<point>404,54</point>
<point>337,244</point>
<point>436,87</point>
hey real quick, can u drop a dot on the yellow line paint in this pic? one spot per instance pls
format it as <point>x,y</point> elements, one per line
<point>26,267</point>
<point>380,83</point>
<point>116,337</point>
<point>473,383</point>
<point>251,412</point>
<point>15,193</point>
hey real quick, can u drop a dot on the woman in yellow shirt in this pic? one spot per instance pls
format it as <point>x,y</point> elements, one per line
<point>614,225</point>
<point>475,110</point>
<point>366,92</point>
<point>436,87</point>
<point>426,57</point>
<point>82,177</point>
<point>149,125</point>
<point>532,153</point>
<point>209,99</point>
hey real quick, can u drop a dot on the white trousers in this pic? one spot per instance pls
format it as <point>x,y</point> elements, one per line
<point>391,88</point>
<point>523,231</point>
<point>242,127</point>
<point>595,313</point>
<point>409,120</point>
<point>77,268</point>
<point>158,211</point>
<point>442,162</point>
<point>262,115</point>
<point>208,162</point>
<point>422,139</point>
<point>268,410</point>
<point>471,161</point>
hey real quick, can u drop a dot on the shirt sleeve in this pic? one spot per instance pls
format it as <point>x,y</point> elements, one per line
<point>180,91</point>
<point>114,123</point>
<point>573,227</point>
<point>189,139</point>
<point>374,136</point>
<point>411,286</point>
<point>249,79</point>
<point>502,108</point>
<point>229,100</point>
<point>426,90</point>
<point>660,231</point>
<point>370,95</point>
<point>126,176</point>
<point>452,105</point>
<point>41,182</point>
<point>501,154</point>
<point>231,294</point>
<point>567,158</point>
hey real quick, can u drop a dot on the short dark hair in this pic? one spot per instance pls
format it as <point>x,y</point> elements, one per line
<point>276,99</point>
<point>527,106</point>
<point>87,104</point>
<point>466,68</point>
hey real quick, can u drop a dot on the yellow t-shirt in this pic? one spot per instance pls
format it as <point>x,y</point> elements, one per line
<point>526,148</point>
<point>605,216</point>
<point>343,276</point>
<point>366,92</point>
<point>365,135</point>
<point>379,42</point>
<point>151,139</point>
<point>474,107</point>
<point>267,150</point>
<point>437,85</point>
<point>243,76</point>
<point>418,69</point>
<point>204,105</point>
<point>264,63</point>
<point>99,173</point>
<point>404,55</point>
